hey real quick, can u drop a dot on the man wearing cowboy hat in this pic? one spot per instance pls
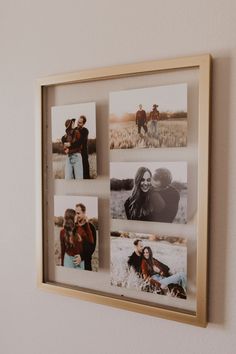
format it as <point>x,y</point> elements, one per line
<point>154,117</point>
<point>72,143</point>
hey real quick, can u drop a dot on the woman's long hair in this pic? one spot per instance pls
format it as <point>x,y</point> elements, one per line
<point>150,259</point>
<point>70,131</point>
<point>139,202</point>
<point>71,233</point>
<point>149,262</point>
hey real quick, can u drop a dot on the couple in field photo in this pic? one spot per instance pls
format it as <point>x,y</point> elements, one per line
<point>75,232</point>
<point>151,263</point>
<point>75,144</point>
<point>150,117</point>
<point>74,141</point>
<point>155,192</point>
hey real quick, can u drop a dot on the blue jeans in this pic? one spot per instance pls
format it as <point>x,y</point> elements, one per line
<point>178,278</point>
<point>69,262</point>
<point>154,127</point>
<point>74,166</point>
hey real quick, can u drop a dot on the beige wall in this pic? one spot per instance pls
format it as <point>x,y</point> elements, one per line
<point>39,38</point>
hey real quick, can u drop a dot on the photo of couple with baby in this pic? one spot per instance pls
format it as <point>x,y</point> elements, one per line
<point>75,145</point>
<point>159,196</point>
<point>74,141</point>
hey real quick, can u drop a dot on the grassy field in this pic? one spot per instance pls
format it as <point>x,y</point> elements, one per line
<point>57,250</point>
<point>173,255</point>
<point>118,199</point>
<point>170,134</point>
<point>58,161</point>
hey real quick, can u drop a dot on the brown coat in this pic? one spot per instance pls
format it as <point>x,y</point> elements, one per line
<point>147,268</point>
<point>154,115</point>
<point>73,136</point>
<point>141,117</point>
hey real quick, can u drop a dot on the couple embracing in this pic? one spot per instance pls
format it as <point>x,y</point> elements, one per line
<point>153,197</point>
<point>155,274</point>
<point>75,143</point>
<point>77,238</point>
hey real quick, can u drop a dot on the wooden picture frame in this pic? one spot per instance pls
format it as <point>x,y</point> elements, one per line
<point>97,86</point>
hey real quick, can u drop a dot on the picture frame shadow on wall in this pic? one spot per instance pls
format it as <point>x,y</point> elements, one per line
<point>122,186</point>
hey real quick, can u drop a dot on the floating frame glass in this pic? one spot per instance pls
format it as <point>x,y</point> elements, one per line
<point>97,86</point>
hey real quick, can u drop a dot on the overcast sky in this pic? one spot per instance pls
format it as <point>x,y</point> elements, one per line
<point>123,170</point>
<point>61,113</point>
<point>62,202</point>
<point>169,98</point>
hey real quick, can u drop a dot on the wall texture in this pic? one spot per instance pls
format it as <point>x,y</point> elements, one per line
<point>40,38</point>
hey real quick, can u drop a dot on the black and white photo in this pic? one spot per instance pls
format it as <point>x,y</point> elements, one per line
<point>151,191</point>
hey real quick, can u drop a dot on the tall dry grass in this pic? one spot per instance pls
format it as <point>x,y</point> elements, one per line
<point>125,135</point>
<point>173,255</point>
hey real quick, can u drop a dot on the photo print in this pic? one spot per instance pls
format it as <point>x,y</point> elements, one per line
<point>149,262</point>
<point>76,232</point>
<point>74,141</point>
<point>153,117</point>
<point>149,191</point>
